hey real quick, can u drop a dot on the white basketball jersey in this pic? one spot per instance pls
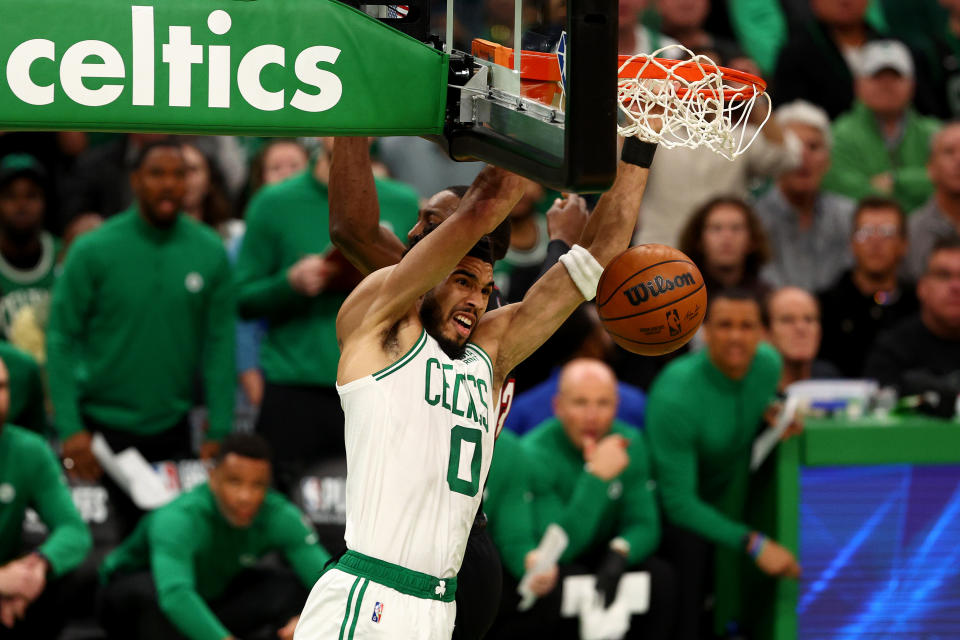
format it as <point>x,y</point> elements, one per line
<point>419,437</point>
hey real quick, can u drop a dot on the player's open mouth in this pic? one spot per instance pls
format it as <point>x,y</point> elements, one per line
<point>463,323</point>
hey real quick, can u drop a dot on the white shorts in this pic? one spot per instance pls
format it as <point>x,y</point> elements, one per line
<point>342,606</point>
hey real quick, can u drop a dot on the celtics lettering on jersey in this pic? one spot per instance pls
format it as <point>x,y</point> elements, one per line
<point>456,395</point>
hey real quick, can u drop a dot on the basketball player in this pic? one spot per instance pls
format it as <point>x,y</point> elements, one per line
<point>420,366</point>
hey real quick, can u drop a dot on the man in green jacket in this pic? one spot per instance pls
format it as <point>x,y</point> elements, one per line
<point>588,473</point>
<point>31,592</point>
<point>288,274</point>
<point>144,303</point>
<point>882,144</point>
<point>703,413</point>
<point>189,568</point>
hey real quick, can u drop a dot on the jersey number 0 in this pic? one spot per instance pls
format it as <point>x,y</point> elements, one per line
<point>463,469</point>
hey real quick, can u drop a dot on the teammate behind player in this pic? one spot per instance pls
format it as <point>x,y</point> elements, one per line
<point>420,365</point>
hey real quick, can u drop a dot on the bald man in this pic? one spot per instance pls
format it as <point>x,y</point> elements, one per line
<point>590,474</point>
<point>794,322</point>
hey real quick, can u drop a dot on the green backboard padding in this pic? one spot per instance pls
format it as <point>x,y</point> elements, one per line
<point>267,67</point>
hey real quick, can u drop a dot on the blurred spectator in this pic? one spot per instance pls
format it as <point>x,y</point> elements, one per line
<point>27,405</point>
<point>283,271</point>
<point>808,228</point>
<point>684,21</point>
<point>633,37</point>
<point>142,302</point>
<point>940,216</point>
<point>83,223</point>
<point>590,474</point>
<point>870,297</point>
<point>681,179</point>
<point>189,568</point>
<point>701,448</point>
<point>922,353</point>
<point>881,146</point>
<point>508,503</point>
<point>28,253</point>
<point>520,268</point>
<point>33,591</point>
<point>816,64</point>
<point>933,28</point>
<point>424,165</point>
<point>276,161</point>
<point>206,199</point>
<point>726,241</point>
<point>793,317</point>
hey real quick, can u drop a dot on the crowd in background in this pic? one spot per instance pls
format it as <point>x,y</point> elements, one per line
<point>165,293</point>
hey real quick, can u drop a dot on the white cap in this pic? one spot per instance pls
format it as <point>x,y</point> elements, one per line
<point>877,55</point>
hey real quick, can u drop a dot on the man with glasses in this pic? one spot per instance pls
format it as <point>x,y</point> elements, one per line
<point>869,298</point>
<point>923,352</point>
<point>940,216</point>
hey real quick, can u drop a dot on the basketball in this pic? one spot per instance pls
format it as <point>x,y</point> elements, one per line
<point>651,299</point>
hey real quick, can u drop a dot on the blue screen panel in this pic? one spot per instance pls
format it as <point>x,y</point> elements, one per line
<point>880,550</point>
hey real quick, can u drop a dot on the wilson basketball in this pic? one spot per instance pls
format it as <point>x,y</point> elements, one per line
<point>651,299</point>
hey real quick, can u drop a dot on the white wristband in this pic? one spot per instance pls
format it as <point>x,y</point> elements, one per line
<point>583,269</point>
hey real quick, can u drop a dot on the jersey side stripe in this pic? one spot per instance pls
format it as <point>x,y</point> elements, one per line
<point>410,355</point>
<point>346,614</point>
<point>483,355</point>
<point>356,610</point>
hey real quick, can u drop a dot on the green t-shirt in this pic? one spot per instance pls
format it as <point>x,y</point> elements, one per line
<point>136,313</point>
<point>285,222</point>
<point>27,407</point>
<point>30,476</point>
<point>701,426</point>
<point>508,503</point>
<point>592,512</point>
<point>194,553</point>
<point>25,293</point>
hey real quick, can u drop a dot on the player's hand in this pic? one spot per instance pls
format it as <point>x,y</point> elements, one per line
<point>24,578</point>
<point>78,457</point>
<point>541,583</point>
<point>775,560</point>
<point>308,276</point>
<point>608,576</point>
<point>608,458</point>
<point>286,633</point>
<point>567,218</point>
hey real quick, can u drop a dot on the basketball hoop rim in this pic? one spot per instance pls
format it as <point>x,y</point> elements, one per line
<point>542,67</point>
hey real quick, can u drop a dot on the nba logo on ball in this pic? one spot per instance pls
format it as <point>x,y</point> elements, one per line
<point>651,299</point>
<point>377,612</point>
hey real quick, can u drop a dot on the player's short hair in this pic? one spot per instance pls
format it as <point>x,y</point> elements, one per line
<point>880,202</point>
<point>487,248</point>
<point>171,142</point>
<point>458,190</point>
<point>736,294</point>
<point>807,113</point>
<point>245,445</point>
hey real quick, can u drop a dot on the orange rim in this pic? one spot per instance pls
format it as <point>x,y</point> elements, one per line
<point>543,67</point>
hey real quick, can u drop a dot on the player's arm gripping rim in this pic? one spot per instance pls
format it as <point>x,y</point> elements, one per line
<point>355,212</point>
<point>388,297</point>
<point>512,333</point>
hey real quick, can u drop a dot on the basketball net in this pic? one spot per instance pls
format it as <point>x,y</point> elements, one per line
<point>709,110</point>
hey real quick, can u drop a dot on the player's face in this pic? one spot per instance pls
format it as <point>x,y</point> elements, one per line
<point>816,159</point>
<point>451,310</point>
<point>22,204</point>
<point>878,243</point>
<point>586,408</point>
<point>939,289</point>
<point>733,332</point>
<point>726,237</point>
<point>240,484</point>
<point>438,208</point>
<point>795,325</point>
<point>160,185</point>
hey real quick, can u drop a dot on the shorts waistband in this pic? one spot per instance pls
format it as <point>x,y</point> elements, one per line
<point>406,581</point>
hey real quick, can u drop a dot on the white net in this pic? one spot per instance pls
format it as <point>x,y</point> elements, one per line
<point>710,110</point>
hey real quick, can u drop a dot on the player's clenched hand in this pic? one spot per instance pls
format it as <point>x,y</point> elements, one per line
<point>308,275</point>
<point>567,218</point>
<point>608,458</point>
<point>78,456</point>
<point>776,560</point>
<point>286,633</point>
<point>542,583</point>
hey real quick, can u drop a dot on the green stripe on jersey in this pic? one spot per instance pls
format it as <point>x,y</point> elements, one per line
<point>346,614</point>
<point>356,610</point>
<point>483,354</point>
<point>410,355</point>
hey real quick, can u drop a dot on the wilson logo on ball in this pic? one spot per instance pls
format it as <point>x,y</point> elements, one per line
<point>641,293</point>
